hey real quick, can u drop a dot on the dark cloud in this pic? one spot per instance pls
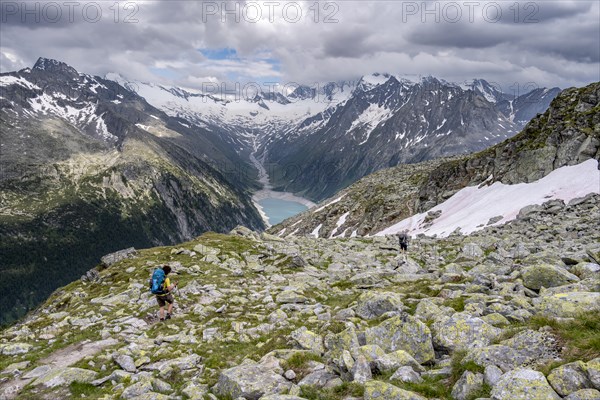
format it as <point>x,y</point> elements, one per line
<point>463,36</point>
<point>561,48</point>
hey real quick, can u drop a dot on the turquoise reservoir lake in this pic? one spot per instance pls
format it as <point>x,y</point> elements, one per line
<point>277,210</point>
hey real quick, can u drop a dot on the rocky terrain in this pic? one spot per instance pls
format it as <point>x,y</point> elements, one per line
<point>568,133</point>
<point>507,313</point>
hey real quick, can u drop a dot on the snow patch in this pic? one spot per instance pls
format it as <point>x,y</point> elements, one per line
<point>472,207</point>
<point>341,221</point>
<point>328,204</point>
<point>15,80</point>
<point>315,231</point>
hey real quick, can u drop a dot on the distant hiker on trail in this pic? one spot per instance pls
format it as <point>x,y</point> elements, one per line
<point>161,286</point>
<point>403,238</point>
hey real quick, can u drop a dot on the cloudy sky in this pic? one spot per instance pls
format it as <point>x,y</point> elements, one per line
<point>188,43</point>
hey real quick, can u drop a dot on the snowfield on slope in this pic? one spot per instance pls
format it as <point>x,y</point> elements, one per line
<point>471,208</point>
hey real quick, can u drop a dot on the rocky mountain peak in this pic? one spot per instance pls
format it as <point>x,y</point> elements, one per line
<point>54,66</point>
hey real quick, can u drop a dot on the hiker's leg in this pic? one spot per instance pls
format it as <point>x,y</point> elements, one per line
<point>170,308</point>
<point>161,313</point>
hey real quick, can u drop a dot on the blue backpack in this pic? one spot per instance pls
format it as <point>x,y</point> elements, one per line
<point>157,281</point>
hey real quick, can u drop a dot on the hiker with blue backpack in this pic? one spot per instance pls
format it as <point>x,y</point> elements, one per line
<point>161,286</point>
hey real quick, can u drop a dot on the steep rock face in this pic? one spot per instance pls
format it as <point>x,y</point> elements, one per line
<point>88,167</point>
<point>568,133</point>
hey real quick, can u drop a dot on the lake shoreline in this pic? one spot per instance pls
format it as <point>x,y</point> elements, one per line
<point>268,193</point>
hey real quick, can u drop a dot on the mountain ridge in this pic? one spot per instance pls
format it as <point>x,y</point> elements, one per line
<point>568,133</point>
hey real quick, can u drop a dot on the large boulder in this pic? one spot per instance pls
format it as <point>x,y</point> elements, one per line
<point>290,297</point>
<point>346,340</point>
<point>361,371</point>
<point>472,250</point>
<point>65,376</point>
<point>546,275</point>
<point>523,384</point>
<point>406,375</point>
<point>524,348</point>
<point>251,381</point>
<point>462,331</point>
<point>403,333</point>
<point>11,349</point>
<point>308,340</point>
<point>125,361</point>
<point>504,357</point>
<point>593,370</point>
<point>584,394</point>
<point>397,359</point>
<point>377,390</point>
<point>569,378</point>
<point>374,304</point>
<point>564,305</point>
<point>467,385</point>
<point>586,270</point>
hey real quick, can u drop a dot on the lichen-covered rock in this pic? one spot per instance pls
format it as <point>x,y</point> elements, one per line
<point>406,374</point>
<point>538,346</point>
<point>64,376</point>
<point>290,297</point>
<point>371,352</point>
<point>504,357</point>
<point>472,250</point>
<point>593,370</point>
<point>377,390</point>
<point>397,359</point>
<point>361,372</point>
<point>462,331</point>
<point>374,304</point>
<point>523,384</point>
<point>308,340</point>
<point>546,275</point>
<point>403,333</point>
<point>586,270</point>
<point>250,381</point>
<point>428,310</point>
<point>319,378</point>
<point>569,378</point>
<point>492,375</point>
<point>194,391</point>
<point>584,394</point>
<point>125,361</point>
<point>565,305</point>
<point>151,396</point>
<point>467,385</point>
<point>336,344</point>
<point>137,389</point>
<point>11,349</point>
